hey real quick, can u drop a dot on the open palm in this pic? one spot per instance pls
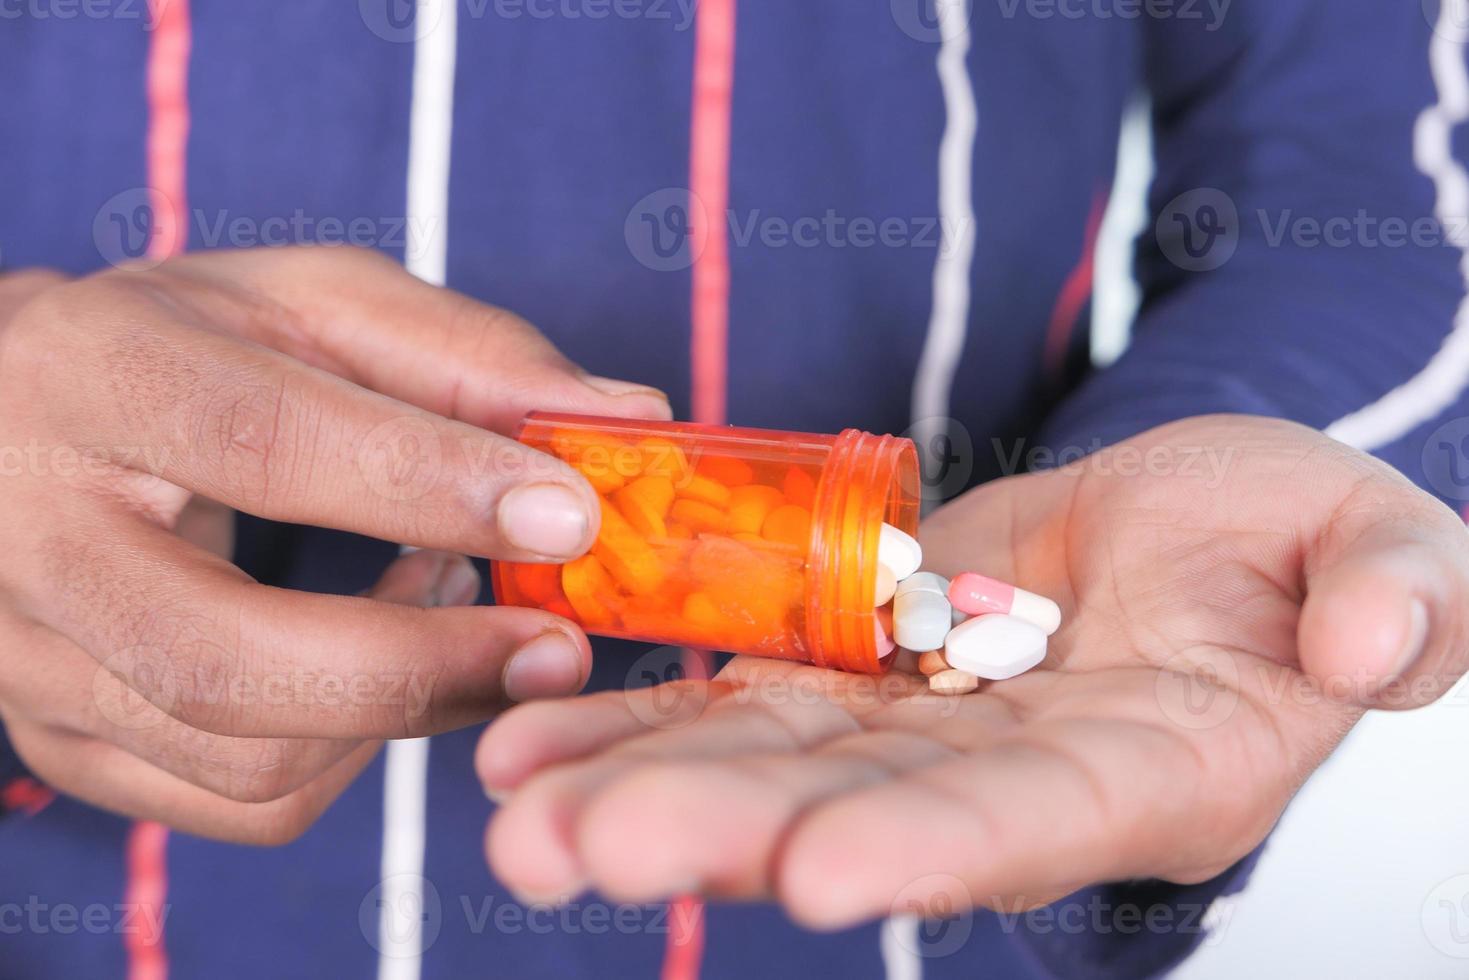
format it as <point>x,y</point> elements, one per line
<point>1235,590</point>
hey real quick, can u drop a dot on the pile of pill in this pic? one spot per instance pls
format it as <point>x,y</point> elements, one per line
<point>964,630</point>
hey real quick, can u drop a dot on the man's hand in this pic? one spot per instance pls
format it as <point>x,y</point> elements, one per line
<point>139,669</point>
<point>1236,591</point>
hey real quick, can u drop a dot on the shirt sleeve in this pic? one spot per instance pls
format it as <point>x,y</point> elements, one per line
<point>1305,261</point>
<point>1306,255</point>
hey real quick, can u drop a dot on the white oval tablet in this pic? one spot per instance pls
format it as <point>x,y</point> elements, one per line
<point>995,647</point>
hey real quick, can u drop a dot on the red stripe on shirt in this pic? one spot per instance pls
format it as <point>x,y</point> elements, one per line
<point>147,870</point>
<point>709,137</point>
<point>167,161</point>
<point>168,127</point>
<point>1075,292</point>
<point>709,140</point>
<point>24,793</point>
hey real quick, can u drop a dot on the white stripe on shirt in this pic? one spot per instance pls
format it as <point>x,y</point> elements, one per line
<point>405,773</point>
<point>948,326</point>
<point>1443,379</point>
<point>948,322</point>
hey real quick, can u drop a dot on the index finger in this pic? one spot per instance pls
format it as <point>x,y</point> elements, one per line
<point>269,435</point>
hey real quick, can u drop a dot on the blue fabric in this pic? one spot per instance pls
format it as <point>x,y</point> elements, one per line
<point>562,125</point>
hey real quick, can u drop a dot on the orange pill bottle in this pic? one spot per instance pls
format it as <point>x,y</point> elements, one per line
<point>720,538</point>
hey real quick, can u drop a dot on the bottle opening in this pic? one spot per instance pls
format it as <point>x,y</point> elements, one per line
<point>868,480</point>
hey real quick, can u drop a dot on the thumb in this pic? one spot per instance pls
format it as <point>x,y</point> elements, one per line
<point>1384,622</point>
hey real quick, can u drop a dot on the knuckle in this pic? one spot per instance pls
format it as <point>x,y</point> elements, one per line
<point>178,660</point>
<point>283,822</point>
<point>491,335</point>
<point>36,334</point>
<point>243,424</point>
<point>493,321</point>
<point>329,257</point>
<point>1201,872</point>
<point>262,771</point>
<point>30,280</point>
<point>243,770</point>
<point>202,693</point>
<point>220,764</point>
<point>24,287</point>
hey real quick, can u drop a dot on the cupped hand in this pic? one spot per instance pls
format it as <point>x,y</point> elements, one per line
<point>143,672</point>
<point>1236,591</point>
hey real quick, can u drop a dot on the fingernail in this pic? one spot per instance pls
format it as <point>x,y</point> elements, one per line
<point>495,795</point>
<point>617,388</point>
<point>1416,640</point>
<point>658,407</point>
<point>549,666</point>
<point>553,900</point>
<point>458,584</point>
<point>544,519</point>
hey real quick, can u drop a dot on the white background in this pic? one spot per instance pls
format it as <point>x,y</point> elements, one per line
<point>1349,886</point>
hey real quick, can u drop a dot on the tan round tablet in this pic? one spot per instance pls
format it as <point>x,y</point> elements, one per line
<point>953,682</point>
<point>932,662</point>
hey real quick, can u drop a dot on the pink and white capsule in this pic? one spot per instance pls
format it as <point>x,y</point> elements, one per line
<point>976,595</point>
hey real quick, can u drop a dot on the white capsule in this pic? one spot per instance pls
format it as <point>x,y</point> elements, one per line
<point>921,614</point>
<point>887,584</point>
<point>923,582</point>
<point>995,647</point>
<point>953,682</point>
<point>899,552</point>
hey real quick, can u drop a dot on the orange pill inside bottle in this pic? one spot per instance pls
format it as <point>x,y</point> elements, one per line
<point>720,538</point>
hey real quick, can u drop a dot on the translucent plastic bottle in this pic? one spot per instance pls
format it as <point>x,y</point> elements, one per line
<point>719,538</point>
